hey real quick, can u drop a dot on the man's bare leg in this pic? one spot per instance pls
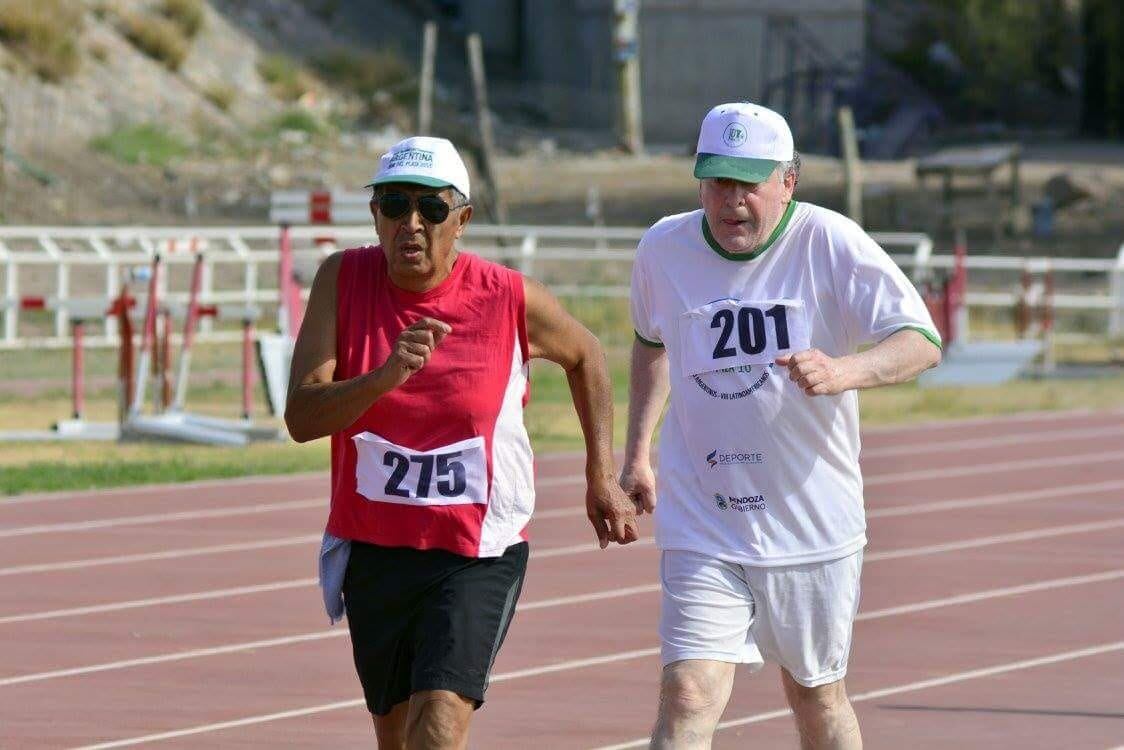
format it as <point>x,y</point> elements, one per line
<point>824,716</point>
<point>390,730</point>
<point>438,720</point>
<point>693,695</point>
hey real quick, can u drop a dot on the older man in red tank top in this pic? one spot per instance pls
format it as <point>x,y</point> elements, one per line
<point>413,358</point>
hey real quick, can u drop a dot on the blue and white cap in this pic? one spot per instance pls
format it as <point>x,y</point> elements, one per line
<point>422,160</point>
<point>742,141</point>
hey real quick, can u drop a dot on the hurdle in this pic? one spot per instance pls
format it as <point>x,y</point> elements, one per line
<point>172,421</point>
<point>79,313</point>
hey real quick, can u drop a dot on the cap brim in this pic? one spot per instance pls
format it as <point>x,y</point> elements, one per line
<point>734,167</point>
<point>410,179</point>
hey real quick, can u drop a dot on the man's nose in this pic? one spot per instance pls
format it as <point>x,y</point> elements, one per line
<point>413,220</point>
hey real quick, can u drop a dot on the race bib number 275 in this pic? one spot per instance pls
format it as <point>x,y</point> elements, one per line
<point>733,333</point>
<point>454,474</point>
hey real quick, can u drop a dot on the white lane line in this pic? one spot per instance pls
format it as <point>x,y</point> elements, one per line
<point>924,474</point>
<point>188,515</point>
<point>187,487</point>
<point>995,468</point>
<point>972,674</point>
<point>534,671</point>
<point>559,456</point>
<point>173,554</point>
<point>986,541</point>
<point>561,601</point>
<point>890,511</point>
<point>628,656</point>
<point>159,600</point>
<point>1001,498</point>
<point>945,446</point>
<point>892,554</point>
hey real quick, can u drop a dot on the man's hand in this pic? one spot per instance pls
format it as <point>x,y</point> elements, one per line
<point>639,483</point>
<point>412,350</point>
<point>817,373</point>
<point>610,512</point>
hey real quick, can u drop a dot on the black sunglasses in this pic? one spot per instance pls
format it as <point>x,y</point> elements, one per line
<point>431,207</point>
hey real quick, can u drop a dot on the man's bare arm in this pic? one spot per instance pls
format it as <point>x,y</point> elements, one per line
<point>317,406</point>
<point>555,335</point>
<point>896,359</point>
<point>649,386</point>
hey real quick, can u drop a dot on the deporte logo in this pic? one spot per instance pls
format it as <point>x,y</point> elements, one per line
<point>729,458</point>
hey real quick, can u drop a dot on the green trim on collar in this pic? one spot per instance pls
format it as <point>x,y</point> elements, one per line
<point>646,342</point>
<point>781,226</point>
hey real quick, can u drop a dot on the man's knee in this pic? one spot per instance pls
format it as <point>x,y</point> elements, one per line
<point>692,690</point>
<point>438,719</point>
<point>816,705</point>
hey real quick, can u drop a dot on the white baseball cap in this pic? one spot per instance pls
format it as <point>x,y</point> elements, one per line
<point>422,160</point>
<point>743,142</point>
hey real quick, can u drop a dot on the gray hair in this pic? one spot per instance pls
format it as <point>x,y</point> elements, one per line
<point>792,165</point>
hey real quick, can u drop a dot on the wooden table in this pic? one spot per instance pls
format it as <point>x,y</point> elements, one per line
<point>978,162</point>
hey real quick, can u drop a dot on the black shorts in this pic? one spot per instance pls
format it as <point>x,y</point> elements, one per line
<point>428,619</point>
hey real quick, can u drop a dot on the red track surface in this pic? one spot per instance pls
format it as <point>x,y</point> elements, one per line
<point>188,616</point>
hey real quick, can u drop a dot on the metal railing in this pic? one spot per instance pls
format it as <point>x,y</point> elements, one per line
<point>66,269</point>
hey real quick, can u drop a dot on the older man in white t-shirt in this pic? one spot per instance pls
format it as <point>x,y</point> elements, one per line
<point>751,312</point>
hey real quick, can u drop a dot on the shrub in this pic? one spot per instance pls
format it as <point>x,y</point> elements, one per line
<point>186,14</point>
<point>141,144</point>
<point>45,33</point>
<point>156,37</point>
<point>285,78</point>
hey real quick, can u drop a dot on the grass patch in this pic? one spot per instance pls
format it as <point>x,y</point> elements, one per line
<point>364,73</point>
<point>286,80</point>
<point>141,144</point>
<point>186,14</point>
<point>550,418</point>
<point>45,33</point>
<point>298,120</point>
<point>155,36</point>
<point>90,466</point>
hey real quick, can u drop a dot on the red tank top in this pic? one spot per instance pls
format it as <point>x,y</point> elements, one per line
<point>443,461</point>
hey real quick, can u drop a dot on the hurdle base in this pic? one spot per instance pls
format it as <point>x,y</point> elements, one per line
<point>66,430</point>
<point>181,427</point>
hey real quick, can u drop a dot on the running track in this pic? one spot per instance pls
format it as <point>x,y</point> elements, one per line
<point>187,616</point>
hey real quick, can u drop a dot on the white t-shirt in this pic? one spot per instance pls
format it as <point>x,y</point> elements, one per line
<point>753,470</point>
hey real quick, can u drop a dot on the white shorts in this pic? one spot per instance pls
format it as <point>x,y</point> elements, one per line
<point>799,616</point>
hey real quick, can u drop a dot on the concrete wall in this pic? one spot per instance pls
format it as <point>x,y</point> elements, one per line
<point>694,54</point>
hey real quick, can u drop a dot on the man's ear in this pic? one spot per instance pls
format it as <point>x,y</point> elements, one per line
<point>463,219</point>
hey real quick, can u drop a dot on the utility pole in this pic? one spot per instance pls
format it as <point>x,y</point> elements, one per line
<point>626,55</point>
<point>3,156</point>
<point>425,88</point>
<point>484,120</point>
<point>852,170</point>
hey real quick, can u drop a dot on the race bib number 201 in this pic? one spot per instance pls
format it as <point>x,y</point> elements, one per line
<point>733,333</point>
<point>454,474</point>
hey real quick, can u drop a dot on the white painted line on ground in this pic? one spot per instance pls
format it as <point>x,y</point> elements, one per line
<point>1001,498</point>
<point>628,656</point>
<point>986,541</point>
<point>957,445</point>
<point>881,430</point>
<point>172,554</point>
<point>924,474</point>
<point>562,601</point>
<point>930,549</point>
<point>187,515</point>
<point>973,674</point>
<point>994,468</point>
<point>895,510</point>
<point>159,600</point>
